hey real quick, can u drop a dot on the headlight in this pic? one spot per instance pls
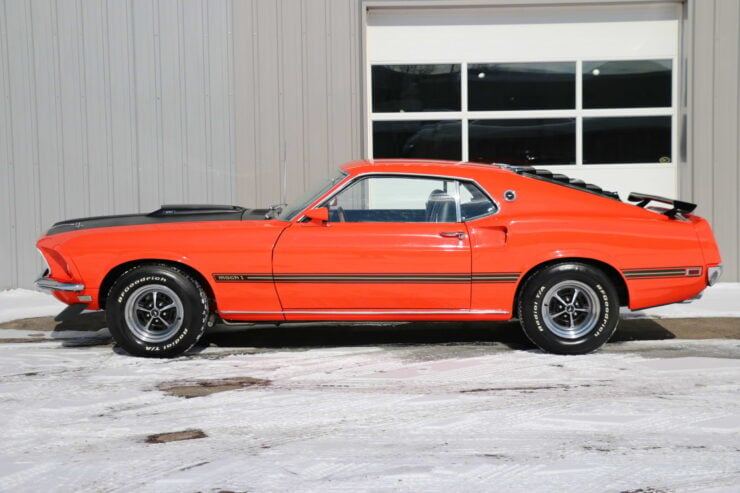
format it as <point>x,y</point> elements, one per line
<point>713,275</point>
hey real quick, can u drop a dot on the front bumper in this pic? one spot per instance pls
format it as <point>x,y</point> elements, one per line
<point>48,284</point>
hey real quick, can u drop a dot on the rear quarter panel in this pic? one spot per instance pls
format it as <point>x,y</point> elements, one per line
<point>548,222</point>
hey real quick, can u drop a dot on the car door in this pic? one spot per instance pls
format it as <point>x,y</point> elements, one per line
<point>391,243</point>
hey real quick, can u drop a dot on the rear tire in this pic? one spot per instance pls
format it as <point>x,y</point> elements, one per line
<point>156,311</point>
<point>569,308</point>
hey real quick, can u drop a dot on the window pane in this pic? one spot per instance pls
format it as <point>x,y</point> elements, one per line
<point>521,86</point>
<point>416,88</point>
<point>395,199</point>
<point>473,202</point>
<point>644,139</point>
<point>523,142</point>
<point>627,84</point>
<point>418,139</point>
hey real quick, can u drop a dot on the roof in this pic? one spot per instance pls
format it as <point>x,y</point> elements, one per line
<point>415,165</point>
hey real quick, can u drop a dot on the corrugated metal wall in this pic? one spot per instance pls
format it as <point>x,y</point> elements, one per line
<point>109,107</point>
<point>713,177</point>
<point>298,103</point>
<point>118,106</point>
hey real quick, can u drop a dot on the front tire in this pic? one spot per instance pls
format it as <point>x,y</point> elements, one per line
<point>156,311</point>
<point>569,308</point>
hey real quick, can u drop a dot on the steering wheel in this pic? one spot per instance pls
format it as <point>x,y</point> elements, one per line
<point>340,215</point>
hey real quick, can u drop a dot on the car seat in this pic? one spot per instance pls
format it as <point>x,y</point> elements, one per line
<point>440,208</point>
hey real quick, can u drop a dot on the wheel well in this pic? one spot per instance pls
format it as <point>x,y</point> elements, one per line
<point>613,274</point>
<point>116,272</point>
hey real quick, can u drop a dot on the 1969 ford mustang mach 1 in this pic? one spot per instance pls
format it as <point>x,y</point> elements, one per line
<point>389,240</point>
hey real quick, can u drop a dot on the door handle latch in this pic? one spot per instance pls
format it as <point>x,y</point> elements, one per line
<point>452,234</point>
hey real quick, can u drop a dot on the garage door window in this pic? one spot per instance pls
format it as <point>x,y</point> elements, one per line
<point>414,88</point>
<point>521,86</point>
<point>577,112</point>
<point>432,139</point>
<point>524,140</point>
<point>627,84</point>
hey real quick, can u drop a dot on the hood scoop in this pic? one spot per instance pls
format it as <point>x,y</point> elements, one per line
<point>169,210</point>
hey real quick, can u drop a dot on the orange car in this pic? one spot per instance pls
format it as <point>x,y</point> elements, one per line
<point>388,240</point>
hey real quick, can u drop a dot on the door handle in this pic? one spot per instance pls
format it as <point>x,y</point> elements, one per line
<point>452,234</point>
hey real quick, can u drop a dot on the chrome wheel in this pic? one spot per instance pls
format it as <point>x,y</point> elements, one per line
<point>154,313</point>
<point>571,309</point>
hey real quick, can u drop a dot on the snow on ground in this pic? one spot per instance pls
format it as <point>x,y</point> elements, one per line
<point>637,416</point>
<point>24,303</point>
<point>721,300</point>
<point>75,414</point>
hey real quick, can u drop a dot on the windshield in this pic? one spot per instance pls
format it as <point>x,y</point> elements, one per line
<point>290,211</point>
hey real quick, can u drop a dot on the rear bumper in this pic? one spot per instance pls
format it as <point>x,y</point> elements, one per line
<point>48,284</point>
<point>714,274</point>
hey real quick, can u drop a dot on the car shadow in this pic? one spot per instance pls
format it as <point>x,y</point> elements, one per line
<point>335,334</point>
<point>412,333</point>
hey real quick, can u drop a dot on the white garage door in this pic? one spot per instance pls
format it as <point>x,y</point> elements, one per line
<point>590,92</point>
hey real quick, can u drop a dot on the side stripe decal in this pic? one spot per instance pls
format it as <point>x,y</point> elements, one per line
<point>663,272</point>
<point>411,278</point>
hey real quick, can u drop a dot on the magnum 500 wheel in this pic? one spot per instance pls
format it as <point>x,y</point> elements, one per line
<point>156,311</point>
<point>569,308</point>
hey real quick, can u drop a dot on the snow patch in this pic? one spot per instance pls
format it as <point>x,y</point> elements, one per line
<point>692,364</point>
<point>16,304</point>
<point>78,420</point>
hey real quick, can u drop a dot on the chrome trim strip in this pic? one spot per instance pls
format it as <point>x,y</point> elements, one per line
<point>51,285</point>
<point>373,312</point>
<point>458,211</point>
<point>237,323</point>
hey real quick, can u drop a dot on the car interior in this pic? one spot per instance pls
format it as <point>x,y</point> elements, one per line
<point>354,204</point>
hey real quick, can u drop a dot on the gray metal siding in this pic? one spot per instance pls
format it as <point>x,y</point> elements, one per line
<point>109,107</point>
<point>298,103</point>
<point>712,179</point>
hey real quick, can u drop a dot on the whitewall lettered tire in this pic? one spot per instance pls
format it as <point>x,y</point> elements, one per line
<point>569,308</point>
<point>156,311</point>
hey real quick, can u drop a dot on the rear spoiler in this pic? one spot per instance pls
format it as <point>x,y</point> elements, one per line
<point>678,206</point>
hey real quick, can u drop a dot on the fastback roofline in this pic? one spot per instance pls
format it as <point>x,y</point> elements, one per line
<point>560,179</point>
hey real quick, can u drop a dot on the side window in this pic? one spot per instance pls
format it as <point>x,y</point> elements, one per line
<point>395,200</point>
<point>474,203</point>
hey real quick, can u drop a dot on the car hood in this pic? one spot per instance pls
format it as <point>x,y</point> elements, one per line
<point>165,214</point>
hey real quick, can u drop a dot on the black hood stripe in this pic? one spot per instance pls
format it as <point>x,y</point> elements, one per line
<point>164,215</point>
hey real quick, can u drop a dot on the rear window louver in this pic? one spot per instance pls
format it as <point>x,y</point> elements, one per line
<point>560,179</point>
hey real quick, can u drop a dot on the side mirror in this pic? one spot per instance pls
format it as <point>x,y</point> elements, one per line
<point>318,215</point>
